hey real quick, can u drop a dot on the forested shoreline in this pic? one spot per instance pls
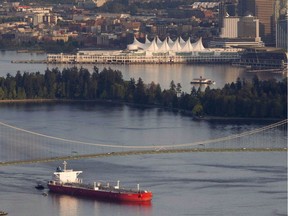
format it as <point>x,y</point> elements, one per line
<point>255,99</point>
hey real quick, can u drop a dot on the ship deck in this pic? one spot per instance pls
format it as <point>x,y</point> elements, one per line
<point>103,188</point>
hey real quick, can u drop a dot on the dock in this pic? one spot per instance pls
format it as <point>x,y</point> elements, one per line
<point>268,70</point>
<point>29,61</point>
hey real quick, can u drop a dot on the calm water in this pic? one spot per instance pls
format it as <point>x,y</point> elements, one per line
<point>162,74</point>
<point>183,184</point>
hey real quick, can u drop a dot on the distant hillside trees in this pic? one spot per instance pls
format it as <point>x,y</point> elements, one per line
<point>259,99</point>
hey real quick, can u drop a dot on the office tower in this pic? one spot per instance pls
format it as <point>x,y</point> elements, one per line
<point>248,27</point>
<point>226,8</point>
<point>281,33</point>
<point>246,7</point>
<point>264,11</point>
<point>230,27</point>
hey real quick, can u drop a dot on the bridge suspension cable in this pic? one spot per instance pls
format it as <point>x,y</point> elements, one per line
<point>216,140</point>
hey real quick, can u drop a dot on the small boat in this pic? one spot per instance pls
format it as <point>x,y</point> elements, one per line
<point>39,186</point>
<point>67,182</point>
<point>44,194</point>
<point>3,213</point>
<point>202,80</point>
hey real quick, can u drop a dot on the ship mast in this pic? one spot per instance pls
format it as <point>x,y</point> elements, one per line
<point>64,165</point>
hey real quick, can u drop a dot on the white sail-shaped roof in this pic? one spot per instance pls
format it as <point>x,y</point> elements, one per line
<point>170,41</point>
<point>147,41</point>
<point>156,45</point>
<point>198,45</point>
<point>153,46</point>
<point>188,46</point>
<point>138,44</point>
<point>158,41</point>
<point>181,41</point>
<point>176,46</point>
<point>164,47</point>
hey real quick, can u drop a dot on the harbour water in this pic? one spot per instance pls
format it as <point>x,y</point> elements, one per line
<point>158,73</point>
<point>238,183</point>
<point>228,183</point>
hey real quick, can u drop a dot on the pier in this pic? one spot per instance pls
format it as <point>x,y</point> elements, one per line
<point>29,61</point>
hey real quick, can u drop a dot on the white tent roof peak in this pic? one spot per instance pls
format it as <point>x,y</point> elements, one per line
<point>198,45</point>
<point>138,43</point>
<point>147,41</point>
<point>179,45</point>
<point>158,41</point>
<point>153,46</point>
<point>176,46</point>
<point>170,41</point>
<point>181,41</point>
<point>187,46</point>
<point>165,46</point>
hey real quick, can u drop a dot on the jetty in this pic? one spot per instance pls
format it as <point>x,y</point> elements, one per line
<point>29,61</point>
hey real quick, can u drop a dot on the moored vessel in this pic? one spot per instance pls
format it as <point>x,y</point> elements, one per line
<point>66,181</point>
<point>3,213</point>
<point>202,80</point>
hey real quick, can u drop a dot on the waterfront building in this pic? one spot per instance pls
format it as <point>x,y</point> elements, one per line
<point>153,52</point>
<point>235,42</point>
<point>264,58</point>
<point>239,31</point>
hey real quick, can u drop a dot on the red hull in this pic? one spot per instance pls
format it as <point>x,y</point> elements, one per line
<point>119,196</point>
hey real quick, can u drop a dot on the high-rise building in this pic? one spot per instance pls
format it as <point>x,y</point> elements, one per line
<point>281,33</point>
<point>246,7</point>
<point>226,7</point>
<point>248,27</point>
<point>264,11</point>
<point>230,27</point>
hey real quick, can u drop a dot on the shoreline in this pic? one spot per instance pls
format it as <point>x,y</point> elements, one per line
<point>183,112</point>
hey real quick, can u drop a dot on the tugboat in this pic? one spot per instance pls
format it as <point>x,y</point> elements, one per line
<point>66,181</point>
<point>202,81</point>
<point>39,186</point>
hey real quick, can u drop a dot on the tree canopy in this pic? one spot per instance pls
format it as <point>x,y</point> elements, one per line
<point>257,99</point>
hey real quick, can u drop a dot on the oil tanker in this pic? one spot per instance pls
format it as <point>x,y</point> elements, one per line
<point>66,181</point>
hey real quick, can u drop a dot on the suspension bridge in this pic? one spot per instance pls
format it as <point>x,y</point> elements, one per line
<point>21,146</point>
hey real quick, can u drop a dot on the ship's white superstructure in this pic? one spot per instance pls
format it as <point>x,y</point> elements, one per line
<point>66,176</point>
